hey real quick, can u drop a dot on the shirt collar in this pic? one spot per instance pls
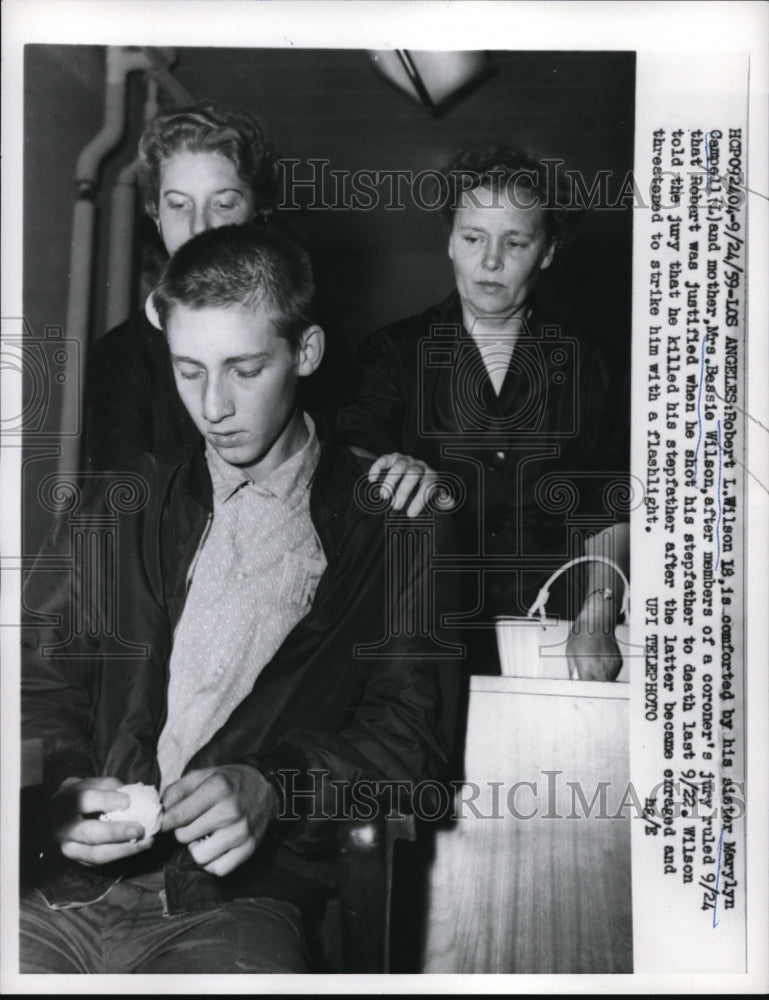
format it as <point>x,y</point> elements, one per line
<point>519,326</point>
<point>288,482</point>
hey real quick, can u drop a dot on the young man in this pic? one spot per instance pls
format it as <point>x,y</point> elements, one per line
<point>244,673</point>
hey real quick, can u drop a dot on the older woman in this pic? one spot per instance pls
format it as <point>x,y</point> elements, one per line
<point>201,166</point>
<point>490,387</point>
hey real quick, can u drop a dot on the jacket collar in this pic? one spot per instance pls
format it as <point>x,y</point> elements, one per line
<point>196,479</point>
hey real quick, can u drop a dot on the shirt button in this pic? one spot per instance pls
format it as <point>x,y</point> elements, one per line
<point>498,459</point>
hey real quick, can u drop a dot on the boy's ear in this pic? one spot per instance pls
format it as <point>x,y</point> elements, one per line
<point>152,211</point>
<point>309,355</point>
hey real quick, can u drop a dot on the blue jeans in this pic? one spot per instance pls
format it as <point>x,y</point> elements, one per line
<point>128,931</point>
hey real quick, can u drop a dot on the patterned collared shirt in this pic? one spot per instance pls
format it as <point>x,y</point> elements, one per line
<point>254,577</point>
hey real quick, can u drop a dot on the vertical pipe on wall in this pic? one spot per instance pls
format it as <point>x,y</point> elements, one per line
<point>121,238</point>
<point>120,62</point>
<point>122,225</point>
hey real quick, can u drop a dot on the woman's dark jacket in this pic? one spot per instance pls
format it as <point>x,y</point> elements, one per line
<point>535,469</point>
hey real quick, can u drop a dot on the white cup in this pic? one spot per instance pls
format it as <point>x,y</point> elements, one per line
<point>532,647</point>
<point>536,647</point>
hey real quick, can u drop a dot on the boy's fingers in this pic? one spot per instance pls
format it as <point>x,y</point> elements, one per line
<point>184,787</point>
<point>99,800</point>
<point>191,797</point>
<point>102,854</point>
<point>96,831</point>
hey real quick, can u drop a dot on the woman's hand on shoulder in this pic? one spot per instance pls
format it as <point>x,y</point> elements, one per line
<point>407,481</point>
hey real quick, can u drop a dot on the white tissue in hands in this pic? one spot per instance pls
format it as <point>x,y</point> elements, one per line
<point>144,808</point>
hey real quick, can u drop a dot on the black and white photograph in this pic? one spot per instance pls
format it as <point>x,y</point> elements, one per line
<point>384,486</point>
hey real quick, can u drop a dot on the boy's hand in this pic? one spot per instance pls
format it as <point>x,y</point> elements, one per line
<point>221,813</point>
<point>81,835</point>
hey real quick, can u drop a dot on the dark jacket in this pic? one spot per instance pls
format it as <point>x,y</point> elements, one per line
<point>132,403</point>
<point>538,466</point>
<point>352,693</point>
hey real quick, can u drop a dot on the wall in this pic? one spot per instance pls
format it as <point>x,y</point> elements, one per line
<point>63,104</point>
<point>378,265</point>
